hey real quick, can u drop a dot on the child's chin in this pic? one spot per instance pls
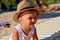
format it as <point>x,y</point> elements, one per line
<point>31,25</point>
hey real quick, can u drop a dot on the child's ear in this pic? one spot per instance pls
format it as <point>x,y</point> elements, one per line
<point>20,19</point>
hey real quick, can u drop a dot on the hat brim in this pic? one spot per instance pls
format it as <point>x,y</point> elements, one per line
<point>15,16</point>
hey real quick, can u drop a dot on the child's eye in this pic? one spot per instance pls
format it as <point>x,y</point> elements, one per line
<point>30,18</point>
<point>35,17</point>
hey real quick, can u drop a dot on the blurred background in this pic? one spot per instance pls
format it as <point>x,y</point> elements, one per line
<point>12,4</point>
<point>48,24</point>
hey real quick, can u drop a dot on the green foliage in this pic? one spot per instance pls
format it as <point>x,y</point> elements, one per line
<point>52,1</point>
<point>46,1</point>
<point>13,2</point>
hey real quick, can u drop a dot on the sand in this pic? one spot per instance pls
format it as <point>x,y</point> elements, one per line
<point>43,26</point>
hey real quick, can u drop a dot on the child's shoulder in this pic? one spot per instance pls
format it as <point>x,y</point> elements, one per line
<point>15,31</point>
<point>15,34</point>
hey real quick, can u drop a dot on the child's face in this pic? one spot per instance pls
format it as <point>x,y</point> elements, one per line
<point>29,18</point>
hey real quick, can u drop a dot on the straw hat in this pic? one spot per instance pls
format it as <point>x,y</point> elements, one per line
<point>23,6</point>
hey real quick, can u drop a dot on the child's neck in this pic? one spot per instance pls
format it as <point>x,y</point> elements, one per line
<point>25,29</point>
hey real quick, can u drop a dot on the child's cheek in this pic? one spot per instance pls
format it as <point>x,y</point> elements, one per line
<point>26,22</point>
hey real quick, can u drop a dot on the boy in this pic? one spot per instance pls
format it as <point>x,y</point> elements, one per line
<point>26,15</point>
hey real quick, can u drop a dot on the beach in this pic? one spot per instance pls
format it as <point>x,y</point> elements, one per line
<point>45,26</point>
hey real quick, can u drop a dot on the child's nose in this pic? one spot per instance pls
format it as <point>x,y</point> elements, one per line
<point>33,20</point>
